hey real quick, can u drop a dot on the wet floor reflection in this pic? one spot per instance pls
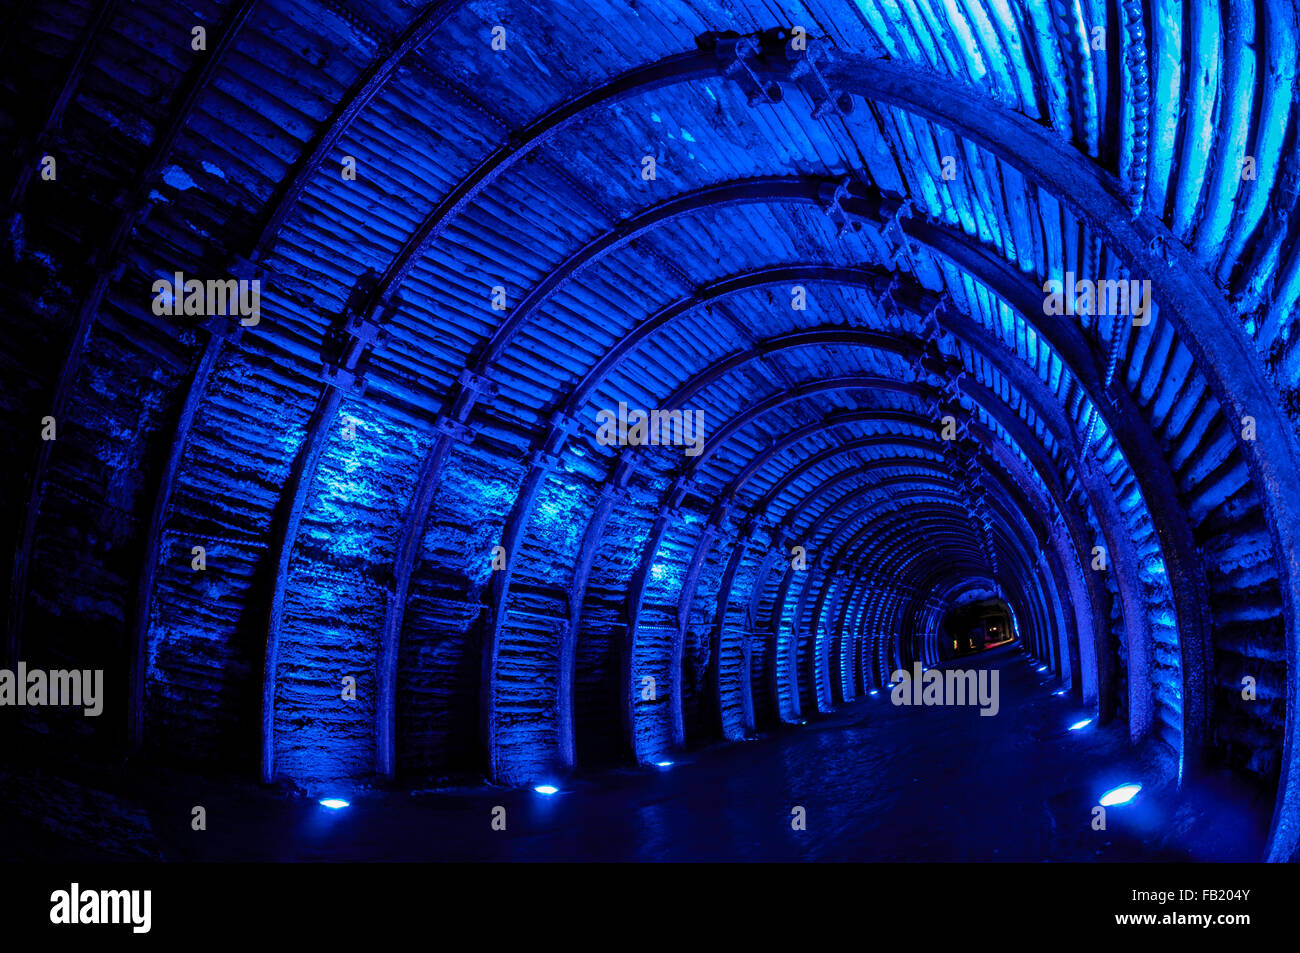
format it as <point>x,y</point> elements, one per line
<point>874,781</point>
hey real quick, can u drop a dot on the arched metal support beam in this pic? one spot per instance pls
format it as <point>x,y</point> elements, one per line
<point>1114,529</point>
<point>423,239</point>
<point>1013,502</point>
<point>791,190</point>
<point>695,560</point>
<point>1160,493</point>
<point>1206,325</point>
<point>1044,404</point>
<point>753,637</point>
<point>872,531</point>
<point>1016,543</point>
<point>830,554</point>
<point>1090,602</point>
<point>716,691</point>
<point>844,644</point>
<point>452,425</point>
<point>678,491</point>
<point>362,92</point>
<point>1186,575</point>
<point>107,264</point>
<point>344,370</point>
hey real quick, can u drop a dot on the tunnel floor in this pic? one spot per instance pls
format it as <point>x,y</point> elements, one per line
<point>877,782</point>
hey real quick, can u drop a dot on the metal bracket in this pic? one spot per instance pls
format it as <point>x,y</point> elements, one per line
<point>345,351</point>
<point>832,201</point>
<point>806,70</point>
<point>475,382</point>
<point>901,247</point>
<point>683,485</point>
<point>462,433</point>
<point>545,461</point>
<point>610,491</point>
<point>931,364</point>
<point>736,56</point>
<point>352,381</point>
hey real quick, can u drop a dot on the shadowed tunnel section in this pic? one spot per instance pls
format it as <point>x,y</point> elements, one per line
<point>869,265</point>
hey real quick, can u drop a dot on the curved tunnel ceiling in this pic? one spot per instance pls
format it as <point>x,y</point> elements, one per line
<point>836,249</point>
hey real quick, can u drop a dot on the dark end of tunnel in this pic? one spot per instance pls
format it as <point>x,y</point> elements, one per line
<point>691,432</point>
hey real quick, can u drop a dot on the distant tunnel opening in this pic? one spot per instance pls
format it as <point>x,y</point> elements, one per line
<point>972,627</point>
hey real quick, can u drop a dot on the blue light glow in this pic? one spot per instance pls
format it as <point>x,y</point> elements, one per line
<point>333,803</point>
<point>1120,795</point>
<point>663,764</point>
<point>546,789</point>
<point>1081,724</point>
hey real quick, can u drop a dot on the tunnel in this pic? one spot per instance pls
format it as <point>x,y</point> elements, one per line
<point>675,430</point>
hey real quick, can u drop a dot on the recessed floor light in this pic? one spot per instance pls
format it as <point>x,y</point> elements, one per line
<point>1081,724</point>
<point>333,803</point>
<point>1120,795</point>
<point>546,789</point>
